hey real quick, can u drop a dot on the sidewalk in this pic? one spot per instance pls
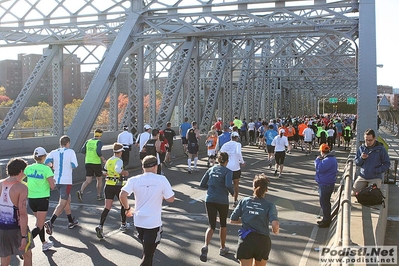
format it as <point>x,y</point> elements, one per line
<point>392,226</point>
<point>376,225</point>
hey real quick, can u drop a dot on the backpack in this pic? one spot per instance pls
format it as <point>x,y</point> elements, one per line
<point>371,195</point>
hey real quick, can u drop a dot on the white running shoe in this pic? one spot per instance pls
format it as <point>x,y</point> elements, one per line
<point>47,245</point>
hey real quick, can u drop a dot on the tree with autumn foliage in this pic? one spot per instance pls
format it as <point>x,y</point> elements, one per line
<point>103,118</point>
<point>5,101</point>
<point>158,100</point>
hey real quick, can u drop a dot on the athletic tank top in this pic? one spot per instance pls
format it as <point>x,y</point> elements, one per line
<point>8,212</point>
<point>192,137</point>
<point>91,152</point>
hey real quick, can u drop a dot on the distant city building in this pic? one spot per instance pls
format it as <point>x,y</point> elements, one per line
<point>395,90</point>
<point>85,80</point>
<point>381,89</point>
<point>11,77</point>
<point>15,73</point>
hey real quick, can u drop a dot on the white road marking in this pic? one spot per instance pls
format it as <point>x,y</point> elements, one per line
<point>308,248</point>
<point>201,198</point>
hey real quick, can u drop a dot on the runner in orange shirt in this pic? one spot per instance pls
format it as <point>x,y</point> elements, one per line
<point>290,132</point>
<point>301,128</point>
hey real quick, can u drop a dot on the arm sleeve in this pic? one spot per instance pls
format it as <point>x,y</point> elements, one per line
<point>74,160</point>
<point>385,162</point>
<point>273,213</point>
<point>167,192</point>
<point>204,180</point>
<point>99,147</point>
<point>236,214</point>
<point>49,158</point>
<point>358,158</point>
<point>229,182</point>
<point>118,166</point>
<point>274,141</point>
<point>83,149</point>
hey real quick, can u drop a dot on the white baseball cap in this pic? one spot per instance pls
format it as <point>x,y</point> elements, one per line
<point>234,134</point>
<point>282,131</point>
<point>39,151</point>
<point>147,127</point>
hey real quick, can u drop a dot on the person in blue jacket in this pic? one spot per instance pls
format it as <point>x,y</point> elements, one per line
<point>326,173</point>
<point>219,182</point>
<point>373,160</point>
<point>270,134</point>
<point>224,137</point>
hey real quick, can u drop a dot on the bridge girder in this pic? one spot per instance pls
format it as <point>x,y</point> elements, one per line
<point>310,47</point>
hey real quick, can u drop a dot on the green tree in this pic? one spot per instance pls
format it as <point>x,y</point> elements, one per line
<point>70,111</point>
<point>40,116</point>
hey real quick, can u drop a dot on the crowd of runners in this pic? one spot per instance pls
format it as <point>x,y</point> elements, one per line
<point>224,141</point>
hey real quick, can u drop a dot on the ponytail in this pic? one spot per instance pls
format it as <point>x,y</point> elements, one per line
<point>260,185</point>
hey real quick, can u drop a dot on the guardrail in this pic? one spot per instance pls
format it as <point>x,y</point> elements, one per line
<point>390,120</point>
<point>342,237</point>
<point>346,204</point>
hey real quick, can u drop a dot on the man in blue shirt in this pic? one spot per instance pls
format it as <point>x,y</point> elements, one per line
<point>269,136</point>
<point>184,127</point>
<point>224,137</point>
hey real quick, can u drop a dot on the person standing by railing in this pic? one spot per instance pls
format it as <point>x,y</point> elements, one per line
<point>326,173</point>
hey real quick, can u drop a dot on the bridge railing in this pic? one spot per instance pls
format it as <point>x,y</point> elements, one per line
<point>390,120</point>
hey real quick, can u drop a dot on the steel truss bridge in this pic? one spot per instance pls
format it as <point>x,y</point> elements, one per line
<point>220,58</point>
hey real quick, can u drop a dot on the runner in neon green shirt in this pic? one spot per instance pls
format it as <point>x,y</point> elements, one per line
<point>40,180</point>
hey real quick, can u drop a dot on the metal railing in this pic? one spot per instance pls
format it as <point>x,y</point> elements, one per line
<point>342,237</point>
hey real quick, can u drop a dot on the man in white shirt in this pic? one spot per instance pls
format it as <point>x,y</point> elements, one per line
<point>233,149</point>
<point>251,131</point>
<point>149,191</point>
<point>143,138</point>
<point>126,139</point>
<point>308,136</point>
<point>280,143</point>
<point>63,161</point>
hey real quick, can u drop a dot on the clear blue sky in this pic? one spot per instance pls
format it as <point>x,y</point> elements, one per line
<point>387,28</point>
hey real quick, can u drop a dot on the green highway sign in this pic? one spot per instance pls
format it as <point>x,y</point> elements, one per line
<point>351,100</point>
<point>333,100</point>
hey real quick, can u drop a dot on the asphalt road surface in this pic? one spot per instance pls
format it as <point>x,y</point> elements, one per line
<point>185,220</point>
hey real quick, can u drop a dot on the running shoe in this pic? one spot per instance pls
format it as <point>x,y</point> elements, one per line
<point>73,224</point>
<point>49,227</point>
<point>280,176</point>
<point>99,198</point>
<point>196,169</point>
<point>204,254</point>
<point>80,196</point>
<point>275,172</point>
<point>123,227</point>
<point>28,242</point>
<point>189,170</point>
<point>223,251</point>
<point>99,231</point>
<point>47,245</point>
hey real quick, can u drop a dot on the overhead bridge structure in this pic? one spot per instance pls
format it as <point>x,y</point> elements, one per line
<point>207,58</point>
